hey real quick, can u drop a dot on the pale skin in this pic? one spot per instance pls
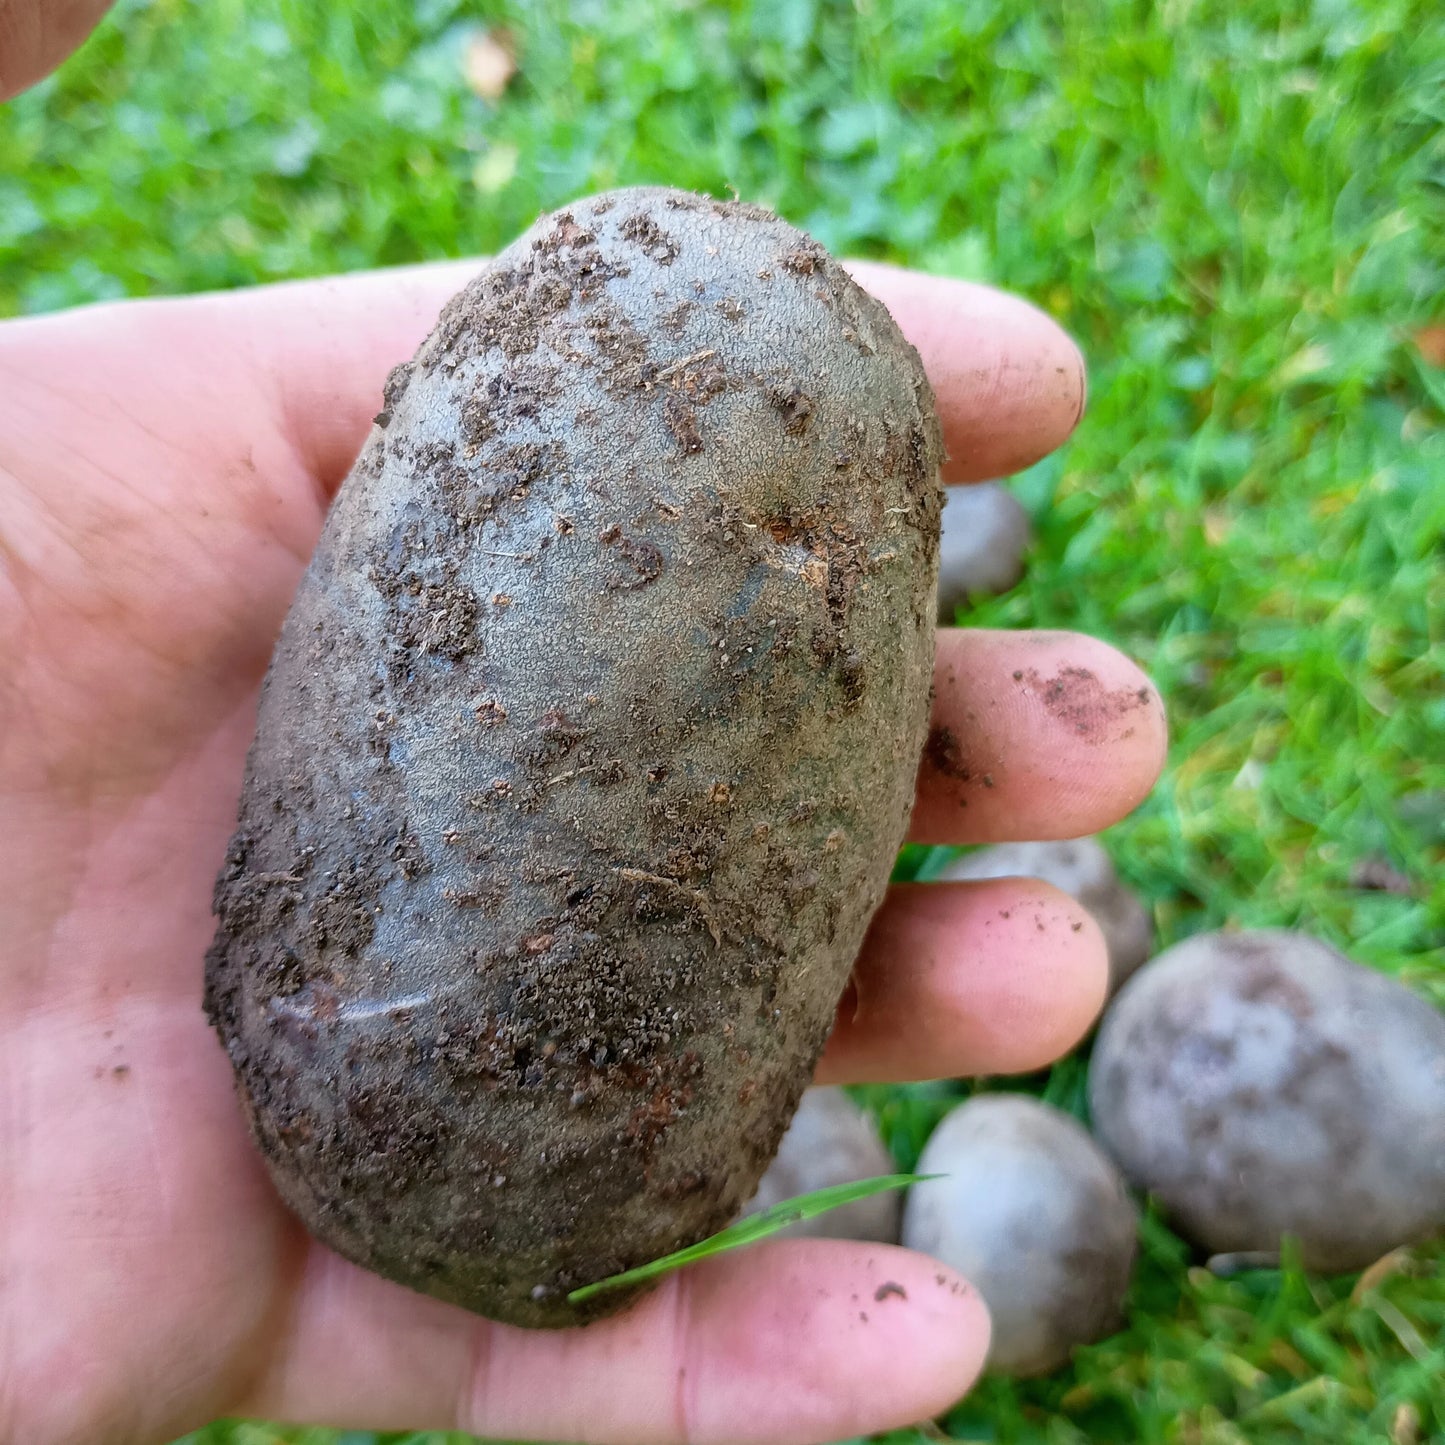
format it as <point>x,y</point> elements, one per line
<point>164,470</point>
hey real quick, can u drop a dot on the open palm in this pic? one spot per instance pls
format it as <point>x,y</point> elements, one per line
<point>164,471</point>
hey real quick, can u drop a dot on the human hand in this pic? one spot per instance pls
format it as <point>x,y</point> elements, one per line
<point>165,467</point>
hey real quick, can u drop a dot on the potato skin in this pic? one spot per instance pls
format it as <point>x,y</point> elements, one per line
<point>584,755</point>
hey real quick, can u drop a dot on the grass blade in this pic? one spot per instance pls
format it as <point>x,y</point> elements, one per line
<point>749,1231</point>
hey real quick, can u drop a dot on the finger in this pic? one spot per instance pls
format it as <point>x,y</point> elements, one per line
<point>1009,381</point>
<point>997,977</point>
<point>801,1341</point>
<point>1034,736</point>
<point>36,35</point>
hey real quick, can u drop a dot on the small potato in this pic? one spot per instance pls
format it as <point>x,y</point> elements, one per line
<point>1037,1217</point>
<point>986,533</point>
<point>1261,1084</point>
<point>1083,869</point>
<point>831,1141</point>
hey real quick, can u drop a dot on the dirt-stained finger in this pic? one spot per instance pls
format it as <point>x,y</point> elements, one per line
<point>1035,735</point>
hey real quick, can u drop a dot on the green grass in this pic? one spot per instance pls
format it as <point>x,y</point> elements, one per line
<point>1239,209</point>
<point>752,1230</point>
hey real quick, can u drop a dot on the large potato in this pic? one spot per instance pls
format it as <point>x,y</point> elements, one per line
<point>584,755</point>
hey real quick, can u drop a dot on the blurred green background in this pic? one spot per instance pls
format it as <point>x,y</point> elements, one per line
<point>1239,210</point>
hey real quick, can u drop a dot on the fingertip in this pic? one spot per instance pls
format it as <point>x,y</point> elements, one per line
<point>1035,736</point>
<point>1050,976</point>
<point>1001,976</point>
<point>941,1345</point>
<point>861,1338</point>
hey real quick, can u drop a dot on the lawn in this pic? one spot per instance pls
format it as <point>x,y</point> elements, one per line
<point>1239,210</point>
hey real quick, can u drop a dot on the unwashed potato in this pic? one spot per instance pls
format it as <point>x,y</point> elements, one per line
<point>1261,1084</point>
<point>986,533</point>
<point>1083,869</point>
<point>831,1141</point>
<point>584,755</point>
<point>1037,1217</point>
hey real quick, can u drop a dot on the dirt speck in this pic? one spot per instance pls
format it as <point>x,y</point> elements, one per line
<point>681,421</point>
<point>795,406</point>
<point>639,561</point>
<point>804,259</point>
<point>651,239</point>
<point>945,754</point>
<point>1077,698</point>
<point>889,1287</point>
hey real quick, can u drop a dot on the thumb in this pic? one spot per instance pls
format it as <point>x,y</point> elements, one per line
<point>36,35</point>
